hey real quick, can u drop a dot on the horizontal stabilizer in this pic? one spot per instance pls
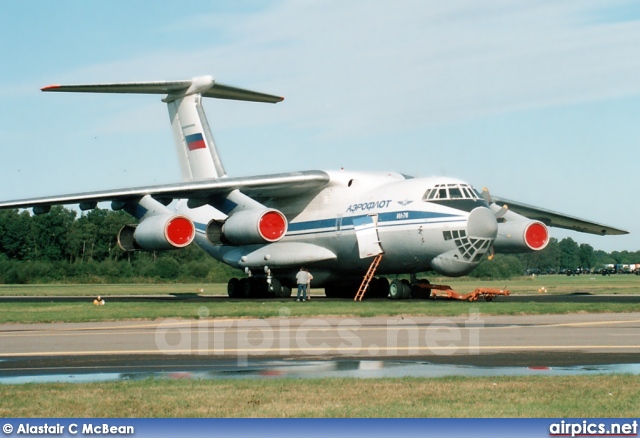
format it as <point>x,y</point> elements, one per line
<point>204,85</point>
<point>558,220</point>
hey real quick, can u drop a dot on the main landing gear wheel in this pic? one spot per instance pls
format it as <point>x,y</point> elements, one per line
<point>234,288</point>
<point>421,290</point>
<point>257,287</point>
<point>277,290</point>
<point>396,289</point>
<point>274,288</point>
<point>342,291</point>
<point>403,289</point>
<point>378,288</point>
<point>285,292</point>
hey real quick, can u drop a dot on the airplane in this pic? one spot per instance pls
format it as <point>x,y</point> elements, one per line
<point>332,222</point>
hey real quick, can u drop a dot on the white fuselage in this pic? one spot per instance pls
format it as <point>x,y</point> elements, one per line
<point>411,231</point>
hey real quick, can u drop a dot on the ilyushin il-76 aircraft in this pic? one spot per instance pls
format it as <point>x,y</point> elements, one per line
<point>335,223</point>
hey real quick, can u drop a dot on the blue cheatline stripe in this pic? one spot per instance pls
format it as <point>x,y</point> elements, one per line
<point>314,225</point>
<point>384,220</point>
<point>413,215</point>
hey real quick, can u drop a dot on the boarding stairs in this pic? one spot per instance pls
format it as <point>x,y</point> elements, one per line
<point>368,277</point>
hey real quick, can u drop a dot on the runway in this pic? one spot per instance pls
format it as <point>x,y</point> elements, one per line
<point>181,345</point>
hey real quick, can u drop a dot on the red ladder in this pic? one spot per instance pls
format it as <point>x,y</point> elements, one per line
<point>368,277</point>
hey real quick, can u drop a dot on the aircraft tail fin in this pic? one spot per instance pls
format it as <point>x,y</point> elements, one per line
<point>197,152</point>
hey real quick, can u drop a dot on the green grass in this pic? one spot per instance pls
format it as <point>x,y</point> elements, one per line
<point>92,290</point>
<point>217,307</point>
<point>562,396</point>
<point>555,284</point>
<point>117,311</point>
<point>537,396</point>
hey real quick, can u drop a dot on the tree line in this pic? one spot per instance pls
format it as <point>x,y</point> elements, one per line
<point>557,256</point>
<point>62,246</point>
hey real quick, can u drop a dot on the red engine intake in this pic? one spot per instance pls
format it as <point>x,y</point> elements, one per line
<point>251,227</point>
<point>536,236</point>
<point>521,236</point>
<point>272,226</point>
<point>157,233</point>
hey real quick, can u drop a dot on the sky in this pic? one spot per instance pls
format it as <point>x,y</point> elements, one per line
<point>538,100</point>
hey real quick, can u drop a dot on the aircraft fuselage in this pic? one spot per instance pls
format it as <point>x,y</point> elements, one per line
<point>415,235</point>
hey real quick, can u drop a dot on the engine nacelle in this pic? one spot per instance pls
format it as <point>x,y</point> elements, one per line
<point>249,227</point>
<point>520,236</point>
<point>157,233</point>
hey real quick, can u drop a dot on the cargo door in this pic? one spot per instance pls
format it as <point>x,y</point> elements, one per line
<point>366,228</point>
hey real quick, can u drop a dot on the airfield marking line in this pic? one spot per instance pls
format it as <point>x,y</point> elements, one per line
<point>70,334</point>
<point>331,350</point>
<point>117,367</point>
<point>124,327</point>
<point>210,326</point>
<point>581,324</point>
<point>230,330</point>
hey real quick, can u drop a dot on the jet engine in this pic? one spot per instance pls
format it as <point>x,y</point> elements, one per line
<point>521,236</point>
<point>249,227</point>
<point>157,233</point>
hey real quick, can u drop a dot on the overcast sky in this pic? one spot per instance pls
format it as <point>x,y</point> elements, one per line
<point>537,100</point>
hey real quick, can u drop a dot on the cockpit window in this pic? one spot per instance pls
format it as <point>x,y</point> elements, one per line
<point>455,193</point>
<point>451,191</point>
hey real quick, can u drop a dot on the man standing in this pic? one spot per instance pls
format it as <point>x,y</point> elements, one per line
<point>302,278</point>
<point>309,284</point>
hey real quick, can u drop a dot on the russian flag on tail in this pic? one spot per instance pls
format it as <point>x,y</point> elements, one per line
<point>195,141</point>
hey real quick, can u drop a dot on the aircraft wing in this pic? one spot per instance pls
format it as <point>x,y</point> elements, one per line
<point>257,187</point>
<point>558,220</point>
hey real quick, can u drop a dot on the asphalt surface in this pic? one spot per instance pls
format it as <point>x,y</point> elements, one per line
<point>179,345</point>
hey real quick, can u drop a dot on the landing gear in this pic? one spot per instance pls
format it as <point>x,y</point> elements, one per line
<point>379,288</point>
<point>233,288</point>
<point>341,291</point>
<point>396,289</point>
<point>399,289</point>
<point>278,290</point>
<point>421,289</point>
<point>257,287</point>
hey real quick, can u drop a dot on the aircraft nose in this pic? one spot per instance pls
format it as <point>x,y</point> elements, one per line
<point>482,224</point>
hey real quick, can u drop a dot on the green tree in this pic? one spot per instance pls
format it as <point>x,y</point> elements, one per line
<point>51,233</point>
<point>587,256</point>
<point>96,233</point>
<point>548,258</point>
<point>569,253</point>
<point>16,234</point>
<point>500,268</point>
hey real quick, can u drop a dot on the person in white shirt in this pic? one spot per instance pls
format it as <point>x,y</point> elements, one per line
<point>302,278</point>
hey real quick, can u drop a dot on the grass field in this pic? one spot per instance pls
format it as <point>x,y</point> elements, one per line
<point>567,396</point>
<point>214,306</point>
<point>538,396</point>
<point>554,284</point>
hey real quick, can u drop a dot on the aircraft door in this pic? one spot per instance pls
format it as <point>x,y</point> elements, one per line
<point>366,228</point>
